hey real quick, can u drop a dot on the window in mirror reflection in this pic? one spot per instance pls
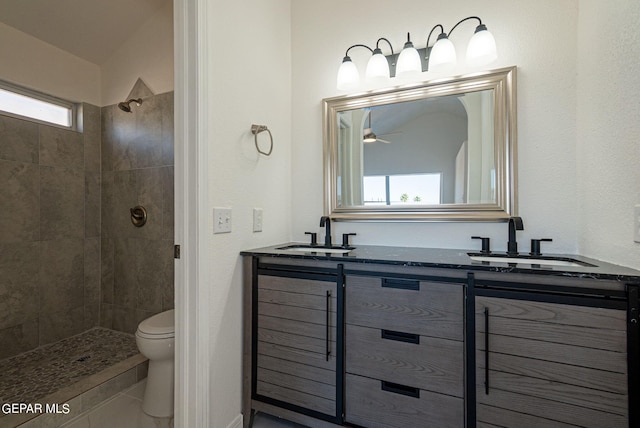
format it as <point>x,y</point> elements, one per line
<point>447,141</point>
<point>412,189</point>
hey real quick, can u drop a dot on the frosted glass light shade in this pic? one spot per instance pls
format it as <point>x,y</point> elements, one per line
<point>348,76</point>
<point>443,55</point>
<point>377,67</point>
<point>408,62</point>
<point>482,48</point>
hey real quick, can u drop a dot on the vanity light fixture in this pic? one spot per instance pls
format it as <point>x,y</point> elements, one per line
<point>409,63</point>
<point>378,66</point>
<point>481,50</point>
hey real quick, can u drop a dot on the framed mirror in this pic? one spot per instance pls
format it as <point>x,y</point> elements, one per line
<point>443,150</point>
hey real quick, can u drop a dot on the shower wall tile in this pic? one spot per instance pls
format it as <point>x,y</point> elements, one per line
<point>168,217</point>
<point>19,279</point>
<point>122,142</point>
<point>140,90</point>
<point>149,194</point>
<point>125,282</point>
<point>155,273</point>
<point>106,138</point>
<point>137,169</point>
<point>91,134</point>
<point>61,275</point>
<point>61,147</point>
<point>147,144</point>
<point>92,294</point>
<point>123,198</point>
<point>62,196</point>
<point>106,315</point>
<point>20,202</point>
<point>18,140</point>
<point>19,338</point>
<point>92,196</point>
<point>58,325</point>
<point>168,296</point>
<point>106,270</point>
<point>166,101</point>
<point>106,204</point>
<point>126,319</point>
<point>50,277</point>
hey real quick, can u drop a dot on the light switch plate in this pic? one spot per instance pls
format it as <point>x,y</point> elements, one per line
<point>257,219</point>
<point>636,223</point>
<point>221,220</point>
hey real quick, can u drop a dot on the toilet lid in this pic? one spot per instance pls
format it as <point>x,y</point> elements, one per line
<point>161,324</point>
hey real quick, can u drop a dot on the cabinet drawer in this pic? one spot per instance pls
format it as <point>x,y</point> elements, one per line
<point>428,363</point>
<point>368,404</point>
<point>430,308</point>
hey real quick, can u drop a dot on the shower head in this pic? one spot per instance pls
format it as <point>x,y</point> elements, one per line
<point>125,105</point>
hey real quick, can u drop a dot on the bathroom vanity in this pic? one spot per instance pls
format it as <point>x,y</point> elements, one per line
<point>415,337</point>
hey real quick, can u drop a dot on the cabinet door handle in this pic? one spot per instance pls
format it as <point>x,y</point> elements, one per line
<point>486,351</point>
<point>328,333</point>
<point>396,388</point>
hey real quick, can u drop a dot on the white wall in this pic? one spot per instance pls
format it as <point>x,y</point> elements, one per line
<point>147,54</point>
<point>250,83</point>
<point>37,65</point>
<point>539,37</point>
<point>608,129</point>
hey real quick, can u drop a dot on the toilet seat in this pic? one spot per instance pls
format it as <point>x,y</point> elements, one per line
<point>159,326</point>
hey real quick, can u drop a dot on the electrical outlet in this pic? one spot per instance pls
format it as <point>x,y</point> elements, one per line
<point>257,219</point>
<point>636,224</point>
<point>221,220</point>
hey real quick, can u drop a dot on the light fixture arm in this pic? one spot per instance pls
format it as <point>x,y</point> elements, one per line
<point>431,32</point>
<point>346,54</point>
<point>388,42</point>
<point>463,20</point>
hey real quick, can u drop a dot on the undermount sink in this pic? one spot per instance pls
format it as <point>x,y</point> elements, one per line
<point>529,260</point>
<point>316,249</point>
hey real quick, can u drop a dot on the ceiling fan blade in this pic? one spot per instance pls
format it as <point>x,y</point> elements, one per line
<point>384,141</point>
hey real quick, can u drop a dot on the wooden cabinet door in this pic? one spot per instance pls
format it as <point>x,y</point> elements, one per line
<point>544,364</point>
<point>296,342</point>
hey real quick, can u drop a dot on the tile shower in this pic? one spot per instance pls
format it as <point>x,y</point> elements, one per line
<point>70,259</point>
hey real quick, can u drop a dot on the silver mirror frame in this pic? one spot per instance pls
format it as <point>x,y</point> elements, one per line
<point>502,81</point>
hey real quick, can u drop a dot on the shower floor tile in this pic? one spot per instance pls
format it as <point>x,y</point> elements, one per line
<point>36,374</point>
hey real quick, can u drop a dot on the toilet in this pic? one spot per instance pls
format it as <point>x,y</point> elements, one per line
<point>155,338</point>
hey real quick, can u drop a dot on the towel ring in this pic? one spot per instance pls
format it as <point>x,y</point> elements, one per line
<point>256,129</point>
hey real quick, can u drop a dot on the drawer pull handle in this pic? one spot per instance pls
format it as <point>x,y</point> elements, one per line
<point>396,388</point>
<point>328,333</point>
<point>402,284</point>
<point>400,336</point>
<point>486,351</point>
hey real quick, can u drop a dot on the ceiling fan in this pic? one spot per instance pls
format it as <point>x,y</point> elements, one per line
<point>370,136</point>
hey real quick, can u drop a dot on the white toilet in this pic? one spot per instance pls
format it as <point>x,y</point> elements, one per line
<point>156,341</point>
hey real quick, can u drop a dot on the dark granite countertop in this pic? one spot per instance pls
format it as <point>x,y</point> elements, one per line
<point>454,259</point>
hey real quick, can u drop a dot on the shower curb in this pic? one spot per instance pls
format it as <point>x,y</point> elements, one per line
<point>83,395</point>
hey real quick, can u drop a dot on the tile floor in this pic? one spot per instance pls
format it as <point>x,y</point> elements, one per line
<point>124,410</point>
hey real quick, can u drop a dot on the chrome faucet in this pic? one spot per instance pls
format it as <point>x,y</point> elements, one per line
<point>515,223</point>
<point>325,221</point>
